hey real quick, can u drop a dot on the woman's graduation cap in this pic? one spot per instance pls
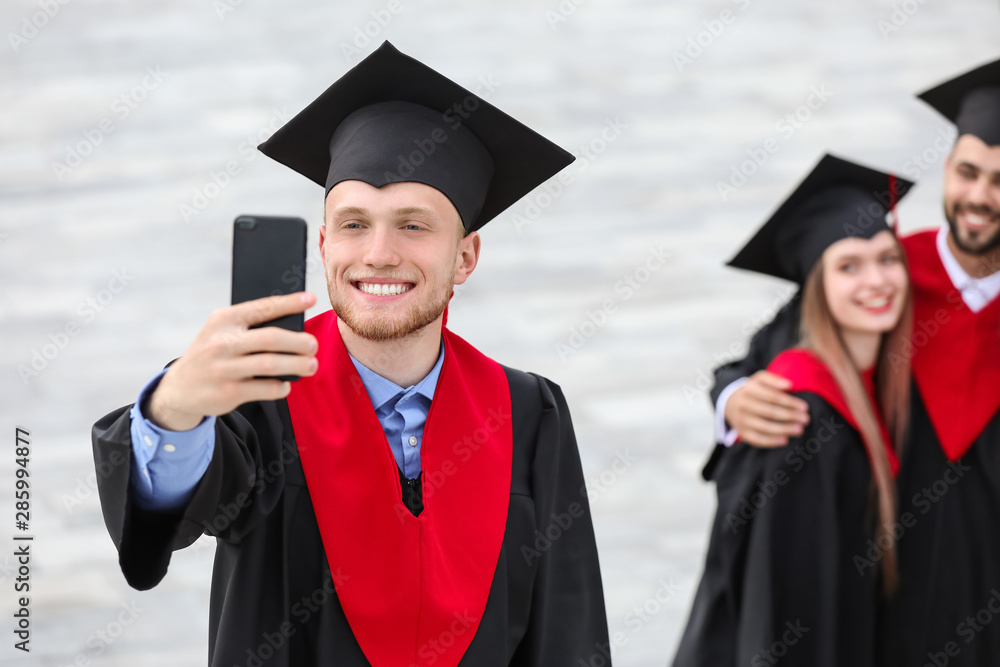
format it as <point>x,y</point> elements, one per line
<point>392,119</point>
<point>837,200</point>
<point>971,101</point>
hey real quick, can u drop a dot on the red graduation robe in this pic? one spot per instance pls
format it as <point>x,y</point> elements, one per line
<point>954,352</point>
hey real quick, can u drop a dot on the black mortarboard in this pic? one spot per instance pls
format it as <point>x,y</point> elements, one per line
<point>392,119</point>
<point>971,101</point>
<point>837,200</point>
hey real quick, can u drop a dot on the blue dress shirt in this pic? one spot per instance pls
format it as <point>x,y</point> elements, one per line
<point>167,465</point>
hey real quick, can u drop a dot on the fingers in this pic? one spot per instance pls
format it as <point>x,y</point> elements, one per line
<point>772,380</point>
<point>764,414</point>
<point>267,364</point>
<point>272,339</point>
<point>766,405</point>
<point>762,440</point>
<point>268,308</point>
<point>265,390</point>
<point>771,428</point>
<point>764,396</point>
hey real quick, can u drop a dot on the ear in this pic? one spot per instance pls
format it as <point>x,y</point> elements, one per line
<point>468,257</point>
<point>322,246</point>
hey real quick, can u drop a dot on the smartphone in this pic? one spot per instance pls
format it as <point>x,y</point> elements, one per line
<point>269,259</point>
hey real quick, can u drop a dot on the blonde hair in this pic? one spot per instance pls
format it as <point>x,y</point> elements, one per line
<point>820,333</point>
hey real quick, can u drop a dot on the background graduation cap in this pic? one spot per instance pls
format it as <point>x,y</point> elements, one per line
<point>838,199</point>
<point>392,119</point>
<point>971,101</point>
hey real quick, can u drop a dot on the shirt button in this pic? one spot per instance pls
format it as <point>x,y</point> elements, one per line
<point>413,441</point>
<point>147,440</point>
<point>169,448</point>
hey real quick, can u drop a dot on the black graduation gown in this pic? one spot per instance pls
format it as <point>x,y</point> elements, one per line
<point>947,610</point>
<point>780,582</point>
<point>273,601</point>
<point>949,558</point>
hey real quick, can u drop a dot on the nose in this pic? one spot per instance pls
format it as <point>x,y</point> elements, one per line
<point>876,275</point>
<point>380,249</point>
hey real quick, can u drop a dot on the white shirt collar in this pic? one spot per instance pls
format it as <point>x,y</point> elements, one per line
<point>976,292</point>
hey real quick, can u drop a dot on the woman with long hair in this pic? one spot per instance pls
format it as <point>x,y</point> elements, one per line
<point>802,550</point>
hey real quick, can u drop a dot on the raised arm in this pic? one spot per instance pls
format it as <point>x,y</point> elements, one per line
<point>215,377</point>
<point>751,403</point>
<point>768,342</point>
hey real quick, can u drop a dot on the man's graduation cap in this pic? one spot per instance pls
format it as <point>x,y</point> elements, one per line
<point>971,101</point>
<point>837,200</point>
<point>392,119</point>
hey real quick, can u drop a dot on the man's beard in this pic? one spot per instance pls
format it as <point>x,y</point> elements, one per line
<point>369,325</point>
<point>980,244</point>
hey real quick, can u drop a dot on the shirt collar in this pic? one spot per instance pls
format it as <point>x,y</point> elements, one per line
<point>959,278</point>
<point>381,390</point>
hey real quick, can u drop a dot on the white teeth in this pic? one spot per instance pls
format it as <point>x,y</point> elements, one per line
<point>379,289</point>
<point>875,303</point>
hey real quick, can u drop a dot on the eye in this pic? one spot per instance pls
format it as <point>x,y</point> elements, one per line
<point>968,173</point>
<point>848,267</point>
<point>413,226</point>
<point>350,224</point>
<point>891,259</point>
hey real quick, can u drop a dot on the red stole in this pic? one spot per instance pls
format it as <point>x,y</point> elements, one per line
<point>413,588</point>
<point>955,353</point>
<point>808,373</point>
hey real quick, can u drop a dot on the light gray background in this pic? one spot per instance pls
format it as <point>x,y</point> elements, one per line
<point>636,385</point>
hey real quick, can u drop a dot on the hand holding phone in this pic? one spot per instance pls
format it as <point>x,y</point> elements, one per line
<point>248,351</point>
<point>233,361</point>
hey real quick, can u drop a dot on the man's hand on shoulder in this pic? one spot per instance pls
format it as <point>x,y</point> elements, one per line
<point>763,413</point>
<point>216,373</point>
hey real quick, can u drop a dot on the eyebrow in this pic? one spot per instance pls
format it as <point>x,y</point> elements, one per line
<point>408,211</point>
<point>856,257</point>
<point>349,211</point>
<point>978,169</point>
<point>405,211</point>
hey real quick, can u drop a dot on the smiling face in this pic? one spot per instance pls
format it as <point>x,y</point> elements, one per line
<point>972,195</point>
<point>865,283</point>
<point>392,255</point>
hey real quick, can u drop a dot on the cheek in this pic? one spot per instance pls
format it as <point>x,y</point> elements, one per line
<point>444,264</point>
<point>840,292</point>
<point>952,188</point>
<point>333,264</point>
<point>956,192</point>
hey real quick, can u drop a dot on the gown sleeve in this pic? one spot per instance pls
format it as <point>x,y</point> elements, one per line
<point>770,340</point>
<point>778,335</point>
<point>241,485</point>
<point>162,480</point>
<point>568,622</point>
<point>786,577</point>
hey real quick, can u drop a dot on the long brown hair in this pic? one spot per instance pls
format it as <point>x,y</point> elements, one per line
<point>821,333</point>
